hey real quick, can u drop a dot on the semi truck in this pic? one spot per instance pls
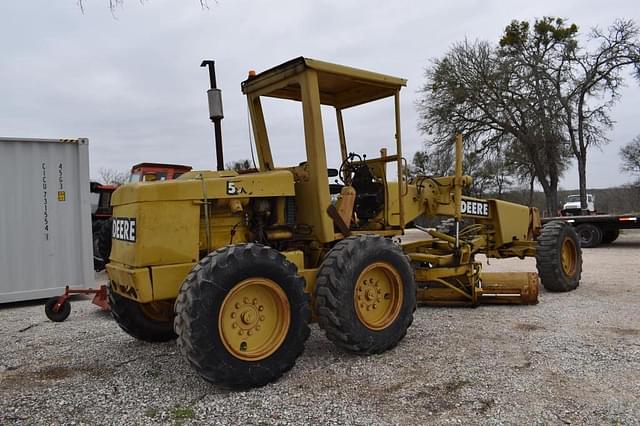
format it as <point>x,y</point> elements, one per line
<point>573,207</point>
<point>595,230</point>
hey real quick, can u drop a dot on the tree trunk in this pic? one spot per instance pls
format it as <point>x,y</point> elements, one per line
<point>553,199</point>
<point>550,199</point>
<point>582,174</point>
<point>531,182</point>
<point>551,192</point>
<point>538,168</point>
<point>547,197</point>
<point>581,155</point>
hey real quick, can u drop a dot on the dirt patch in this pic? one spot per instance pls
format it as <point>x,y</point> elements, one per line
<point>571,358</point>
<point>528,327</point>
<point>624,331</point>
<point>443,397</point>
<point>18,378</point>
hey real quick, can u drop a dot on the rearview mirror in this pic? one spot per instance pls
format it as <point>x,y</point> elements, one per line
<point>332,172</point>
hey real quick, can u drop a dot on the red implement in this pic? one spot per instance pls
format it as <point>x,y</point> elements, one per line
<point>58,308</point>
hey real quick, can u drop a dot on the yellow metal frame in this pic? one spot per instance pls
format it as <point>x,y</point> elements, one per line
<point>184,219</point>
<point>316,83</point>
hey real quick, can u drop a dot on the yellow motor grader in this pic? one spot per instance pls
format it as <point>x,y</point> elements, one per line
<point>236,265</point>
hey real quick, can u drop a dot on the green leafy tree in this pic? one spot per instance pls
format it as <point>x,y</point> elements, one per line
<point>584,82</point>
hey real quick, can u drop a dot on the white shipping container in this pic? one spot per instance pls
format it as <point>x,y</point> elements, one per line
<point>45,217</point>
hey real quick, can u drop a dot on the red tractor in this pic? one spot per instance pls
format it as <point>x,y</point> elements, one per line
<point>58,308</point>
<point>100,220</point>
<point>145,172</point>
<point>101,211</point>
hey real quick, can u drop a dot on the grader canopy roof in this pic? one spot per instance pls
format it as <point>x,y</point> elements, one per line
<point>340,86</point>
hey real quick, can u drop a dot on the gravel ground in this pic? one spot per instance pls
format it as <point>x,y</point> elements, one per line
<point>573,358</point>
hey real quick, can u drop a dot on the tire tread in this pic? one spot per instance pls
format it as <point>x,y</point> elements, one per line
<point>548,262</point>
<point>210,361</point>
<point>330,289</point>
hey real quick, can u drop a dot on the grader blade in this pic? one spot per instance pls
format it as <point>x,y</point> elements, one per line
<point>513,288</point>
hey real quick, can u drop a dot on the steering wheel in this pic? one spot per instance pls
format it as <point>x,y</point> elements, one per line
<point>348,167</point>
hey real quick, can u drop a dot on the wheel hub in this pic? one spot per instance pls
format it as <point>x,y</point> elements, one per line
<point>246,316</point>
<point>371,295</point>
<point>378,295</point>
<point>568,257</point>
<point>249,317</point>
<point>254,319</point>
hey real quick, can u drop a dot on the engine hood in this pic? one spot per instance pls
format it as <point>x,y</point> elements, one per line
<point>198,185</point>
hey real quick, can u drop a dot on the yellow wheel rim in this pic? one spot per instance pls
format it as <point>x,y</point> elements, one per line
<point>378,295</point>
<point>254,319</point>
<point>161,310</point>
<point>568,257</point>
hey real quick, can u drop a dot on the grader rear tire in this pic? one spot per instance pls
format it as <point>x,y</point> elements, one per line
<point>104,240</point>
<point>590,235</point>
<point>150,322</point>
<point>559,257</point>
<point>242,316</point>
<point>610,235</point>
<point>98,260</point>
<point>365,294</point>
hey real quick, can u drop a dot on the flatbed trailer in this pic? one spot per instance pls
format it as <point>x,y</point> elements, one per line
<point>594,230</point>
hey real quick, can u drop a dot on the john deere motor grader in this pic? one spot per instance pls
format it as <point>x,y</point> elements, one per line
<point>237,265</point>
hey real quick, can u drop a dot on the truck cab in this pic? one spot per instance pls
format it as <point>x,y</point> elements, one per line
<point>572,206</point>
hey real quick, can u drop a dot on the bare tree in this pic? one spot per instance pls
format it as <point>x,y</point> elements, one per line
<point>239,165</point>
<point>476,90</point>
<point>114,4</point>
<point>112,176</point>
<point>630,154</point>
<point>490,171</point>
<point>539,95</point>
<point>431,162</point>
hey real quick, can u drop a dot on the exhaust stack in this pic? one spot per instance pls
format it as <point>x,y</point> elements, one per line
<point>216,115</point>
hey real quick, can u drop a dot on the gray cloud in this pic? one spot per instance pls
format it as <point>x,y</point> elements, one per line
<point>133,86</point>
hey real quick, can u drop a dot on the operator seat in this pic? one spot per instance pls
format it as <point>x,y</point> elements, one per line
<point>369,193</point>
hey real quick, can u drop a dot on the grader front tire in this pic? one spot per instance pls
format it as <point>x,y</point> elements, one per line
<point>242,316</point>
<point>559,257</point>
<point>150,322</point>
<point>365,294</point>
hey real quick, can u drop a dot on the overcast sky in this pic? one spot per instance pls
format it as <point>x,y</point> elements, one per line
<point>132,83</point>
